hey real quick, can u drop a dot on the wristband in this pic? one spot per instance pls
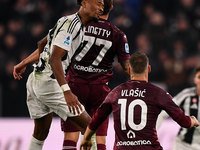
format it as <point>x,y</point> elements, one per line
<point>65,87</point>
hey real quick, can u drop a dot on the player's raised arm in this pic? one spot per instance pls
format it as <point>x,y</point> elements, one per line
<point>21,67</point>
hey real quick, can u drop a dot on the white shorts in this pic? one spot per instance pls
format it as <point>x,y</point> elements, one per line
<point>44,96</point>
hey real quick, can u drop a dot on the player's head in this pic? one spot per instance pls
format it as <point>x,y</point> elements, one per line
<point>197,76</point>
<point>139,63</point>
<point>91,9</point>
<point>108,5</point>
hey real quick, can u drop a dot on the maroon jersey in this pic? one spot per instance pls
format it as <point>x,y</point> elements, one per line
<point>136,106</point>
<point>102,42</point>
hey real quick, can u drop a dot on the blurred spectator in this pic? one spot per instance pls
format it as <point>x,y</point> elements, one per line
<point>13,98</point>
<point>184,32</point>
<point>176,73</point>
<point>144,45</point>
<point>187,7</point>
<point>156,31</point>
<point>10,46</point>
<point>120,17</point>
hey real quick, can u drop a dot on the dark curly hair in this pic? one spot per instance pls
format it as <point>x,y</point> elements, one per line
<point>197,69</point>
<point>79,2</point>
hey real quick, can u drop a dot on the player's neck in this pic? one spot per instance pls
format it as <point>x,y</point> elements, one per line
<point>139,78</point>
<point>104,17</point>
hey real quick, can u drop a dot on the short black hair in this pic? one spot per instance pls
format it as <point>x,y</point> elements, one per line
<point>107,6</point>
<point>79,2</point>
<point>197,69</point>
<point>138,62</point>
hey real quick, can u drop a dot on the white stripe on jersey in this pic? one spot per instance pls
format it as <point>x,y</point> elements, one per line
<point>73,25</point>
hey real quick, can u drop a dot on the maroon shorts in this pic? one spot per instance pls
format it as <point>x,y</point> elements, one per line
<point>91,96</point>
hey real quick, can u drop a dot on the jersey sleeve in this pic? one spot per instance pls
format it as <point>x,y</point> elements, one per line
<point>63,40</point>
<point>167,103</point>
<point>122,47</point>
<point>102,113</point>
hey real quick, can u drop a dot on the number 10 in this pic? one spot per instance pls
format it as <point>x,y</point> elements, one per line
<point>131,106</point>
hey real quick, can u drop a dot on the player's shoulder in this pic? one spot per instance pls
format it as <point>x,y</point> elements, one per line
<point>119,33</point>
<point>71,17</point>
<point>189,91</point>
<point>114,29</point>
<point>118,88</point>
<point>68,17</point>
<point>155,88</point>
<point>117,30</point>
<point>71,23</point>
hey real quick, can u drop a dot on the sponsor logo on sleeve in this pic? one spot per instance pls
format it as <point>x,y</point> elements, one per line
<point>67,41</point>
<point>174,101</point>
<point>126,48</point>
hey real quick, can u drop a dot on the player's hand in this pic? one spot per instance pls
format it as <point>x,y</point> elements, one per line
<point>18,70</point>
<point>194,121</point>
<point>85,145</point>
<point>72,102</point>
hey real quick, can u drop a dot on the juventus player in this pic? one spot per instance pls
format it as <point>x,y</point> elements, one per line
<point>188,100</point>
<point>92,69</point>
<point>136,105</point>
<point>47,88</point>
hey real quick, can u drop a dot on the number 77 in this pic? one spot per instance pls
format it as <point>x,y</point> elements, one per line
<point>90,41</point>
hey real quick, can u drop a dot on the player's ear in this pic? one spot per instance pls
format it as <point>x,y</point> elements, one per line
<point>83,3</point>
<point>111,8</point>
<point>129,69</point>
<point>149,68</point>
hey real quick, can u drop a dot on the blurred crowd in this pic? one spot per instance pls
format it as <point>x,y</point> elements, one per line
<point>168,31</point>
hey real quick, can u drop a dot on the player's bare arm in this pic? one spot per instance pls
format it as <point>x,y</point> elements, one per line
<point>56,65</point>
<point>125,65</point>
<point>21,67</point>
<point>41,44</point>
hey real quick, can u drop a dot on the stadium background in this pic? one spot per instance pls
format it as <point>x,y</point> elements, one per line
<point>166,30</point>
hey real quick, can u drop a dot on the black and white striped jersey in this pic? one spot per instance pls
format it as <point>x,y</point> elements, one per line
<point>188,100</point>
<point>67,34</point>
